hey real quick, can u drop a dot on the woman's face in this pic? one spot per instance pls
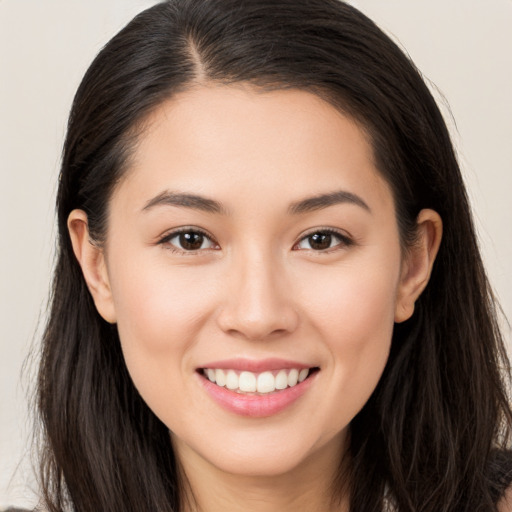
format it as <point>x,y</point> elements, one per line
<point>253,241</point>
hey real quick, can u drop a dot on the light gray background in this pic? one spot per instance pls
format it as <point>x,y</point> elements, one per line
<point>463,46</point>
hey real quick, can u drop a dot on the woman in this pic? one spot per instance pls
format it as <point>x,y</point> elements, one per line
<point>268,293</point>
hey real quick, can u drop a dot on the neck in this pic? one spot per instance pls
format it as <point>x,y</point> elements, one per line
<point>308,487</point>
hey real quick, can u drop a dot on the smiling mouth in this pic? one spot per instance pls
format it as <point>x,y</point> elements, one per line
<point>250,383</point>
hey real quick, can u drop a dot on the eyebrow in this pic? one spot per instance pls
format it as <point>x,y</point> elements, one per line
<point>322,201</point>
<point>192,201</point>
<point>309,204</point>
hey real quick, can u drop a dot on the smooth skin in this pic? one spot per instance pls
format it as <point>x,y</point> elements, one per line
<point>271,273</point>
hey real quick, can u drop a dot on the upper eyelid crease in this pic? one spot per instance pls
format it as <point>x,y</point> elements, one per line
<point>175,232</point>
<point>344,239</point>
<point>166,238</point>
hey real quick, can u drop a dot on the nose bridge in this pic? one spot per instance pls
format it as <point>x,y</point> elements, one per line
<point>258,301</point>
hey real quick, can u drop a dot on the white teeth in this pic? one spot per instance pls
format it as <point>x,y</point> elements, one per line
<point>220,378</point>
<point>266,383</point>
<point>303,374</point>
<point>293,377</point>
<point>232,380</point>
<point>282,380</point>
<point>249,382</point>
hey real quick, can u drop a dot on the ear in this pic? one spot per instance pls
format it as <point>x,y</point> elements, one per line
<point>417,263</point>
<point>92,261</point>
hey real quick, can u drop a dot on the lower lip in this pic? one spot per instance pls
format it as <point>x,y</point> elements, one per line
<point>256,406</point>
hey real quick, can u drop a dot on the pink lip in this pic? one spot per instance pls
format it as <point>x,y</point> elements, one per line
<point>256,406</point>
<point>250,365</point>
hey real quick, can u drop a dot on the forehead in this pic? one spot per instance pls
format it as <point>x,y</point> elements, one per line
<point>239,141</point>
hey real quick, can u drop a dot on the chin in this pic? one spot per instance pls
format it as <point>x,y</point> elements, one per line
<point>263,455</point>
<point>261,465</point>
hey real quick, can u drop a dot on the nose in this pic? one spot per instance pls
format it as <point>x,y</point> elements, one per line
<point>258,301</point>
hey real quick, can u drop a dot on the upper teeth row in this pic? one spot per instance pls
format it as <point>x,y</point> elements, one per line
<point>264,382</point>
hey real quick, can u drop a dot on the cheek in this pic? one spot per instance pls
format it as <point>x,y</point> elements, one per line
<point>160,311</point>
<point>157,305</point>
<point>355,316</point>
<point>353,303</point>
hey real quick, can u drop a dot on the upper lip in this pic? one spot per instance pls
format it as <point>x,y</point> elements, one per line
<point>256,366</point>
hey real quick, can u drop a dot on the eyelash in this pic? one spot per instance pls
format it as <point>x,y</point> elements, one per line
<point>166,239</point>
<point>344,240</point>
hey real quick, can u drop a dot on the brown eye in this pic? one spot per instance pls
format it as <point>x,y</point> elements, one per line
<point>191,241</point>
<point>320,241</point>
<point>188,241</point>
<point>323,240</point>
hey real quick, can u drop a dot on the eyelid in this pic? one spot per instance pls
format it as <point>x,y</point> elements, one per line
<point>346,240</point>
<point>169,235</point>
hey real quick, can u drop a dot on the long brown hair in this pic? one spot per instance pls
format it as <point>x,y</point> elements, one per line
<point>433,434</point>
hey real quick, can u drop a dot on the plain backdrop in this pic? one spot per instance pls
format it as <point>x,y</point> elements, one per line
<point>464,47</point>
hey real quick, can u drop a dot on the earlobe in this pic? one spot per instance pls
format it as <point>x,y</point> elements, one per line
<point>418,263</point>
<point>92,262</point>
